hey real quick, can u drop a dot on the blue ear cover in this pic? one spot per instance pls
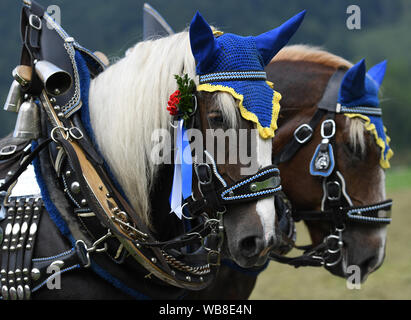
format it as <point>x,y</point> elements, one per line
<point>353,83</point>
<point>377,72</point>
<point>203,45</point>
<point>270,42</point>
<point>359,87</point>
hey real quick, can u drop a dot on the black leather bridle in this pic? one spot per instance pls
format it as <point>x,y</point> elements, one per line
<point>337,207</point>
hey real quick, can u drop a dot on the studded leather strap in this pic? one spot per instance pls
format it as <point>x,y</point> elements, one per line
<point>23,216</point>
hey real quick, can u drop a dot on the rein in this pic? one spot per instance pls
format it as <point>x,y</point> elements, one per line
<point>337,207</point>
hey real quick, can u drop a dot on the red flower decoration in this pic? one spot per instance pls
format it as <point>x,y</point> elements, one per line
<point>173,103</point>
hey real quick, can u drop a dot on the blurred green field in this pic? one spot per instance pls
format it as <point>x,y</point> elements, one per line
<point>391,281</point>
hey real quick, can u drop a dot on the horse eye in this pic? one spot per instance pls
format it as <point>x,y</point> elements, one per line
<point>354,152</point>
<point>216,119</point>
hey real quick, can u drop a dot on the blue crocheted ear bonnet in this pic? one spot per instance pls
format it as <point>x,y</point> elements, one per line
<point>235,64</point>
<point>358,97</point>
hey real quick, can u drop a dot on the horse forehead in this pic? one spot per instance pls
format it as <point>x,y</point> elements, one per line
<point>301,83</point>
<point>237,53</point>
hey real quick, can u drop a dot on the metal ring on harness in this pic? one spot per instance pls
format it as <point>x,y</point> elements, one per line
<point>332,237</point>
<point>333,129</point>
<point>182,212</point>
<point>65,130</point>
<point>201,179</point>
<point>190,115</point>
<point>182,208</point>
<point>82,248</point>
<point>331,264</point>
<point>33,19</point>
<point>172,125</point>
<point>330,196</point>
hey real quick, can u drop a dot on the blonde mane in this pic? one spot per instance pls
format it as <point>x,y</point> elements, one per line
<point>128,102</point>
<point>302,52</point>
<point>317,55</point>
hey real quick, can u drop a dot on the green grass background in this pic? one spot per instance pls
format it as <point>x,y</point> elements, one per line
<point>391,281</point>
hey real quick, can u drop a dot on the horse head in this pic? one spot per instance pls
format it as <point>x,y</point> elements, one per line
<point>234,96</point>
<point>348,164</point>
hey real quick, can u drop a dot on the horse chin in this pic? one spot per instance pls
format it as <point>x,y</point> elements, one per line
<point>363,265</point>
<point>249,262</point>
<point>244,262</point>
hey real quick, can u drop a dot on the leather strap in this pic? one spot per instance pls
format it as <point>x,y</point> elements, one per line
<point>45,269</point>
<point>329,99</point>
<point>23,217</point>
<point>27,161</point>
<point>328,103</point>
<point>292,147</point>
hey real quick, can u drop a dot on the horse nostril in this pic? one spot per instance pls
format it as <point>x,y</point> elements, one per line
<point>251,246</point>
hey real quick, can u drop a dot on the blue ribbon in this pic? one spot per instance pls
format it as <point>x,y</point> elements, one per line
<point>182,178</point>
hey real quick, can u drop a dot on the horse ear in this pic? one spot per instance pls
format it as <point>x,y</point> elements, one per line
<point>377,72</point>
<point>202,41</point>
<point>270,42</point>
<point>353,83</point>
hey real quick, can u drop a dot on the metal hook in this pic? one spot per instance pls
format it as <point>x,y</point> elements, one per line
<point>94,248</point>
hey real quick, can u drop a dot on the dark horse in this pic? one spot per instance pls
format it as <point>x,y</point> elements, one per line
<point>100,217</point>
<point>302,74</point>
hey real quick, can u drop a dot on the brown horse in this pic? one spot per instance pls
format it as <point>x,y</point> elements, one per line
<point>301,74</point>
<point>357,156</point>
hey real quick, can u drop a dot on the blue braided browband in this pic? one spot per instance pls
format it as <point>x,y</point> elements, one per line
<point>233,76</point>
<point>373,111</point>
